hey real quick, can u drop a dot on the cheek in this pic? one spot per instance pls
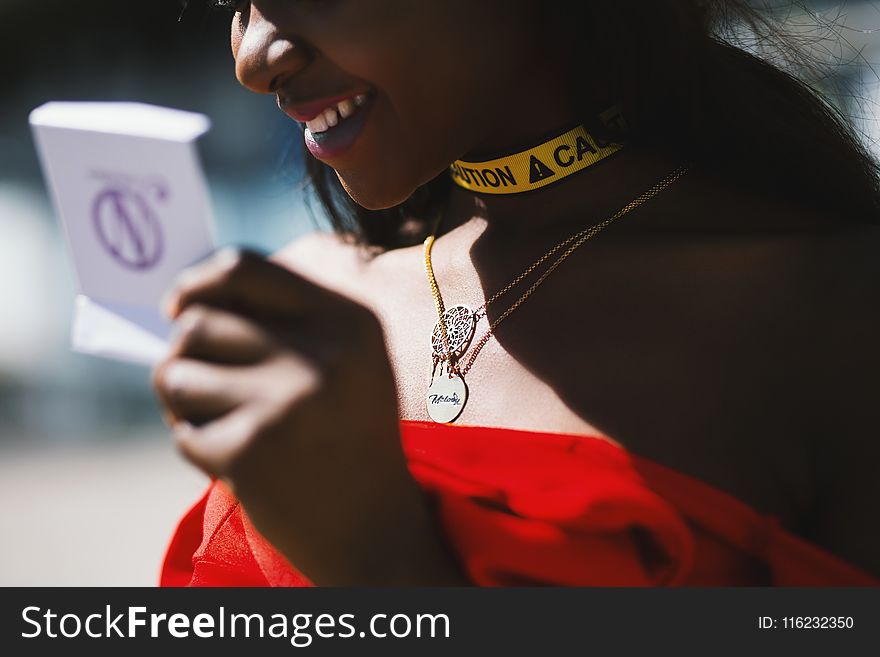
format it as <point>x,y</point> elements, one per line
<point>418,82</point>
<point>445,72</point>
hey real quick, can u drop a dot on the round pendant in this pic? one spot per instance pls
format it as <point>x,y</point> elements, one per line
<point>446,397</point>
<point>460,325</point>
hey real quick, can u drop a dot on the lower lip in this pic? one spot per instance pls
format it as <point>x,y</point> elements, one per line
<point>340,138</point>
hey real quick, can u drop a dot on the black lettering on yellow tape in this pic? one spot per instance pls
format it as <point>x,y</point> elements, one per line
<point>536,167</point>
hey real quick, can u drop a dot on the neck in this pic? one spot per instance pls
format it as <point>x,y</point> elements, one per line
<point>582,198</point>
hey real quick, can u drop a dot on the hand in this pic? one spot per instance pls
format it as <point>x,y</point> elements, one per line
<point>283,389</point>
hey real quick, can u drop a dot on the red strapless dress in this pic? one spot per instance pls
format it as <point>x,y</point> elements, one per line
<point>525,507</point>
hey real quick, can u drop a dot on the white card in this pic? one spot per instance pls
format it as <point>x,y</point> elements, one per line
<point>127,184</point>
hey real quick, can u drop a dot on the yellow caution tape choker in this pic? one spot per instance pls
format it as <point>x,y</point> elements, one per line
<point>536,167</point>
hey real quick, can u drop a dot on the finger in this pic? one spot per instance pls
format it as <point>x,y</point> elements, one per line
<point>196,391</point>
<point>216,446</point>
<point>219,336</point>
<point>245,280</point>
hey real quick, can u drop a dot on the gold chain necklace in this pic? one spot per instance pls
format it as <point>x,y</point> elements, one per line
<point>451,337</point>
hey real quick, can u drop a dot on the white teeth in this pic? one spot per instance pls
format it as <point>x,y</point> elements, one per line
<point>331,116</point>
<point>317,124</point>
<point>346,108</point>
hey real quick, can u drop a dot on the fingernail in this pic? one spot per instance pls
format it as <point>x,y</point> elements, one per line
<point>169,304</point>
<point>228,255</point>
<point>182,427</point>
<point>174,333</point>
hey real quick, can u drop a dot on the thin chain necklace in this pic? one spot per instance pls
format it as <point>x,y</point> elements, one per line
<point>452,335</point>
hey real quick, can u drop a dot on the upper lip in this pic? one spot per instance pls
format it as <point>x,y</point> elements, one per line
<point>306,110</point>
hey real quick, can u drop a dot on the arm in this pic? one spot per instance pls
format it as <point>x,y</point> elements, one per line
<point>847,442</point>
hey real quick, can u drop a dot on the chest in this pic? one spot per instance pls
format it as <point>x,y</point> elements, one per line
<point>679,372</point>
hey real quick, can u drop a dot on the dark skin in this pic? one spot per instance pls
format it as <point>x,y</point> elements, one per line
<point>724,334</point>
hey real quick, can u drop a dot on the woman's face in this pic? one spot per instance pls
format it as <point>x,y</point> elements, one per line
<point>412,84</point>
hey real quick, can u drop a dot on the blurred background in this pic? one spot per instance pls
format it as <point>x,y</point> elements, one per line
<point>90,486</point>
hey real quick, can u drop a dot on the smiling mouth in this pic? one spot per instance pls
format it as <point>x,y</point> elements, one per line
<point>319,117</point>
<point>331,126</point>
<point>337,113</point>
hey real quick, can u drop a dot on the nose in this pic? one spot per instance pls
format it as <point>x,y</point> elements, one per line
<point>264,53</point>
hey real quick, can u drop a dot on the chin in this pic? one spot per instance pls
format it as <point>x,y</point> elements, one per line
<point>375,195</point>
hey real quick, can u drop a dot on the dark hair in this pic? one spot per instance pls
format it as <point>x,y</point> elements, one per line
<point>684,87</point>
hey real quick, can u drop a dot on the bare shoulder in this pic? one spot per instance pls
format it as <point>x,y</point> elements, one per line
<point>805,294</point>
<point>312,250</point>
<point>844,292</point>
<point>327,258</point>
<point>846,360</point>
<point>851,262</point>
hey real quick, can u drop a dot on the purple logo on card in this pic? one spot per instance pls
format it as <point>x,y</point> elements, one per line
<point>127,226</point>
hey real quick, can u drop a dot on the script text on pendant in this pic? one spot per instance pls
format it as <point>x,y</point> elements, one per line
<point>446,397</point>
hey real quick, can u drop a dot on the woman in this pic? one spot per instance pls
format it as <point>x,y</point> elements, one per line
<point>687,399</point>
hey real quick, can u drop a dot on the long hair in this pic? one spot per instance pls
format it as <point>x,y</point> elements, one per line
<point>686,88</point>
